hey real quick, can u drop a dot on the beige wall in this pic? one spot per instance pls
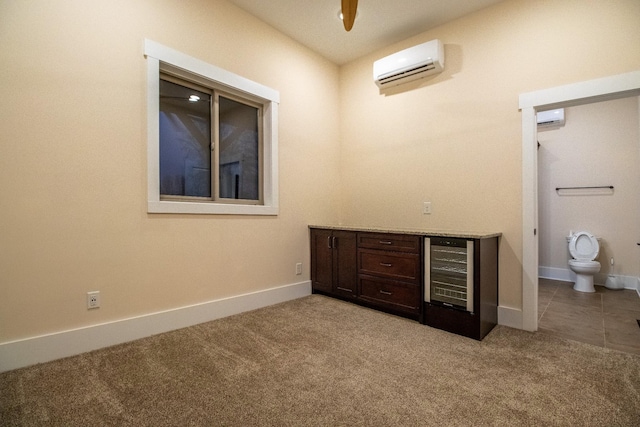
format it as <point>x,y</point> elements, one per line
<point>73,147</point>
<point>455,139</point>
<point>73,163</point>
<point>599,145</point>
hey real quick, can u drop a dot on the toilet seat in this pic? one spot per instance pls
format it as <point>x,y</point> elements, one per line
<point>584,266</point>
<point>584,246</point>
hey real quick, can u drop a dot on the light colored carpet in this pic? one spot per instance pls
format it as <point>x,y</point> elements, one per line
<point>317,361</point>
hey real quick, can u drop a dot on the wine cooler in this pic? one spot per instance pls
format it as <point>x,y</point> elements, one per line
<point>449,273</point>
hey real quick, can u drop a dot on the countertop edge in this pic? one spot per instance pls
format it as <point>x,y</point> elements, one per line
<point>420,232</point>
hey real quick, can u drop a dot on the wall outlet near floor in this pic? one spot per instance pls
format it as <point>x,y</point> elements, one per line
<point>93,299</point>
<point>426,208</point>
<point>298,268</point>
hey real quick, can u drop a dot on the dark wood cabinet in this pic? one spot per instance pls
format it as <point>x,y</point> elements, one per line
<point>390,272</point>
<point>378,270</point>
<point>386,271</point>
<point>334,263</point>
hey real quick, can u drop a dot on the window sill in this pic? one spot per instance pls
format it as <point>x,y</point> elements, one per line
<point>209,208</point>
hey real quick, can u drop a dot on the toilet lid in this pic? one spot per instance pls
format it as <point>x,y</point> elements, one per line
<point>584,246</point>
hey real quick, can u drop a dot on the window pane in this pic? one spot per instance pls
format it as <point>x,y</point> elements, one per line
<point>239,150</point>
<point>185,141</point>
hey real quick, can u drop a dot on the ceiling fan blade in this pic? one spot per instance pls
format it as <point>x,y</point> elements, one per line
<point>349,8</point>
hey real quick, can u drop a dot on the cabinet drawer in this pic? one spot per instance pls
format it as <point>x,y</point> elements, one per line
<point>389,242</point>
<point>396,265</point>
<point>403,296</point>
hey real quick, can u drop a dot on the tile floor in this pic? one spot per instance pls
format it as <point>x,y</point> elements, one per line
<point>606,318</point>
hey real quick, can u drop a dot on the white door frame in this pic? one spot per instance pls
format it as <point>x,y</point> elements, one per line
<point>604,89</point>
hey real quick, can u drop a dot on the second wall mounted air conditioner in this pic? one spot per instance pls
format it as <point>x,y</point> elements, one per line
<point>550,119</point>
<point>410,64</point>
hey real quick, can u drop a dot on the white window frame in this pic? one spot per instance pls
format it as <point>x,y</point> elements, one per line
<point>162,58</point>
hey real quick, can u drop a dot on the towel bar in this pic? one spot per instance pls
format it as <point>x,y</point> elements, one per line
<point>584,188</point>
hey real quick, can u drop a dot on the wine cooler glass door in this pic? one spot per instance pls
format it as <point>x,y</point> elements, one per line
<point>450,272</point>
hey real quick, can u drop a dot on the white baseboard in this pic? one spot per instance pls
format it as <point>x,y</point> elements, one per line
<point>29,351</point>
<point>509,316</point>
<point>562,274</point>
<point>630,282</point>
<point>566,275</point>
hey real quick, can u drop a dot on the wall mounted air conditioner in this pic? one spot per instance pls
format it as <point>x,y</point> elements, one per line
<point>550,119</point>
<point>410,64</point>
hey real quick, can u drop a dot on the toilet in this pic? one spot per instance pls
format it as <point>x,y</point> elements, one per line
<point>584,249</point>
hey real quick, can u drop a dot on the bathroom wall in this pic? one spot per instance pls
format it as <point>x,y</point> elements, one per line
<point>598,146</point>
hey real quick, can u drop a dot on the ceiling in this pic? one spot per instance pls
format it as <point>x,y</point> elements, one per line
<point>379,23</point>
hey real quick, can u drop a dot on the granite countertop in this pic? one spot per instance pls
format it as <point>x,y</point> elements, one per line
<point>420,232</point>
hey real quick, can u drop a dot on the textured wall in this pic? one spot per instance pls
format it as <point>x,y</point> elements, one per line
<point>455,139</point>
<point>73,147</point>
<point>73,163</point>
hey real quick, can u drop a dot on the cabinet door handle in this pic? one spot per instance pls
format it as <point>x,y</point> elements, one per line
<point>334,242</point>
<point>329,242</point>
<point>385,292</point>
<point>385,242</point>
<point>385,264</point>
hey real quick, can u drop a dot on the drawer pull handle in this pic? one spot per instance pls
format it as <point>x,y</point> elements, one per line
<point>385,242</point>
<point>385,292</point>
<point>385,264</point>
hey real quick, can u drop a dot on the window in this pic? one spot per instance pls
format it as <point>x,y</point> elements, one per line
<point>210,145</point>
<point>212,138</point>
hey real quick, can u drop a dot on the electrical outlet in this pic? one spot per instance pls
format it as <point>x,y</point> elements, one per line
<point>426,208</point>
<point>299,268</point>
<point>93,299</point>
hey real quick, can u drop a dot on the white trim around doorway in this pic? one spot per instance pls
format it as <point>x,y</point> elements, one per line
<point>603,89</point>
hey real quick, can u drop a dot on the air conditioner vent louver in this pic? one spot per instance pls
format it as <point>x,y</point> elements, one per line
<point>409,64</point>
<point>403,74</point>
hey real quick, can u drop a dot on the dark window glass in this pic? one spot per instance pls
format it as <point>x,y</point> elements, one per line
<point>185,141</point>
<point>239,150</point>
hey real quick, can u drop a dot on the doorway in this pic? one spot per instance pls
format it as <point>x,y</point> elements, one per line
<point>603,89</point>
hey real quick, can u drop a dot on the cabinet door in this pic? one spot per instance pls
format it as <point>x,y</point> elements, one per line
<point>321,260</point>
<point>345,263</point>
